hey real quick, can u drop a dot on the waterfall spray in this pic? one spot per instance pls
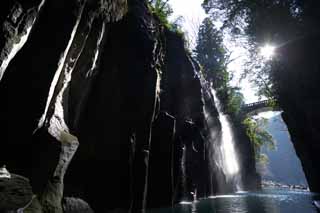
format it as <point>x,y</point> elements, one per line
<point>230,161</point>
<point>225,169</point>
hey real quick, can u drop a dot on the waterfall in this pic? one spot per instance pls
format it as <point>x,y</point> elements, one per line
<point>229,155</point>
<point>224,162</point>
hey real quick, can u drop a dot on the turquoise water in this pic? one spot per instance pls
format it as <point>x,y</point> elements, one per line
<point>266,201</point>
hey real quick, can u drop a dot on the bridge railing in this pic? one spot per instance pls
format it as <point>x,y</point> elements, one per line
<point>247,108</point>
<point>265,102</point>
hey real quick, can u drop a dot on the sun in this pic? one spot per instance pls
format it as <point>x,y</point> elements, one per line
<point>267,51</point>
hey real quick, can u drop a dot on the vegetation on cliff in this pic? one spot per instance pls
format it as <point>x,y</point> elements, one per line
<point>271,22</point>
<point>105,80</point>
<point>214,59</point>
<point>291,76</point>
<point>259,136</point>
<point>162,10</point>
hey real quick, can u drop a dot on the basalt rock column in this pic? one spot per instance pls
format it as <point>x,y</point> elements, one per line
<point>181,97</point>
<point>78,28</point>
<point>17,21</point>
<point>160,180</point>
<point>115,126</point>
<point>26,82</point>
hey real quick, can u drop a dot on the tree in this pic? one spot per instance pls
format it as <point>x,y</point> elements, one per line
<point>255,130</point>
<point>162,9</point>
<point>265,21</point>
<point>214,58</point>
<point>262,20</point>
<point>211,54</point>
<point>235,101</point>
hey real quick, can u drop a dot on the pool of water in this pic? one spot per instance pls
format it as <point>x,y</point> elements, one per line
<point>266,201</point>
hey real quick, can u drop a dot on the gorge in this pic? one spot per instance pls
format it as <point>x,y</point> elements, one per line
<point>116,80</point>
<point>103,109</point>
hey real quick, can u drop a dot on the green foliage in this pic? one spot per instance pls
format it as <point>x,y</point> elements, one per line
<point>273,103</point>
<point>258,136</point>
<point>259,72</point>
<point>265,21</point>
<point>262,158</point>
<point>235,102</point>
<point>163,11</point>
<point>211,53</point>
<point>213,57</point>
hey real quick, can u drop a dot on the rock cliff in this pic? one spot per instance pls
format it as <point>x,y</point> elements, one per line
<point>297,83</point>
<point>109,77</point>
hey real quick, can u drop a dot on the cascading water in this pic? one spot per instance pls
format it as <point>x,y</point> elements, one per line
<point>225,169</point>
<point>229,155</point>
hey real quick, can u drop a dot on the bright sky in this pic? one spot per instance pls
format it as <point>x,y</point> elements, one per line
<point>188,8</point>
<point>193,15</point>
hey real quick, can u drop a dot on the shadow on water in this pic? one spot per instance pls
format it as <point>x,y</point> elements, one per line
<point>266,201</point>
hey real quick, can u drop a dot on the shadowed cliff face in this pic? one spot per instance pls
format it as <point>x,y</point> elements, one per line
<point>181,97</point>
<point>17,20</point>
<point>297,81</point>
<point>115,126</point>
<point>111,76</point>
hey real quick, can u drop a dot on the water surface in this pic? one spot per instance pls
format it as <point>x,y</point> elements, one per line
<point>266,201</point>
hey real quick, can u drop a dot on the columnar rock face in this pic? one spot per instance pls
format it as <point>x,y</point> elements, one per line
<point>17,20</point>
<point>181,97</point>
<point>115,126</point>
<point>251,180</point>
<point>108,75</point>
<point>297,79</point>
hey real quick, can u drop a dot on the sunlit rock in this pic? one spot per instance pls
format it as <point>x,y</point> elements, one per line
<point>4,173</point>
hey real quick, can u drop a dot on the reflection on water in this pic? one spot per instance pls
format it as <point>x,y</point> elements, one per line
<point>267,201</point>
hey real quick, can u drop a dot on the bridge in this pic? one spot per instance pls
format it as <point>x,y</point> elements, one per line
<point>259,106</point>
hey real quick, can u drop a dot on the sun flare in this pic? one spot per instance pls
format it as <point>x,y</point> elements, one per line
<point>267,51</point>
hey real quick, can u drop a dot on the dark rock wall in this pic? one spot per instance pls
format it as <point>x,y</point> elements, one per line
<point>297,82</point>
<point>251,180</point>
<point>25,85</point>
<point>17,20</point>
<point>115,126</point>
<point>181,97</point>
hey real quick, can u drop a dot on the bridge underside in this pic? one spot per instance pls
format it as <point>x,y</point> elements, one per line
<point>258,107</point>
<point>259,110</point>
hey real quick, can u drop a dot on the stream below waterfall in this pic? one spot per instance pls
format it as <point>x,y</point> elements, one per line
<point>224,158</point>
<point>265,201</point>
